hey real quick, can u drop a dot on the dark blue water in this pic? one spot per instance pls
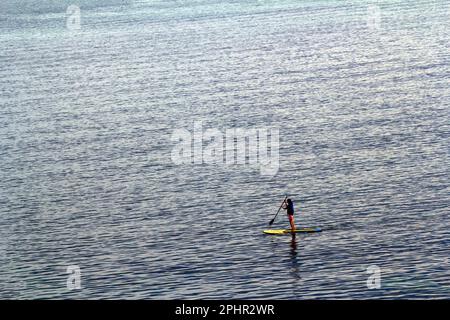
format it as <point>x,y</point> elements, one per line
<point>87,180</point>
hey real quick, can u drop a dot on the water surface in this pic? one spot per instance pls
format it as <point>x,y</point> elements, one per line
<point>85,151</point>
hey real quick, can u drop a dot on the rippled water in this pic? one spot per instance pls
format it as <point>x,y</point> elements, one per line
<point>359,91</point>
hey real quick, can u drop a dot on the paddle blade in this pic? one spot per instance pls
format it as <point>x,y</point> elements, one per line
<point>271,222</point>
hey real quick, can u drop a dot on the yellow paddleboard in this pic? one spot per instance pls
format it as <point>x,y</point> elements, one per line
<point>287,231</point>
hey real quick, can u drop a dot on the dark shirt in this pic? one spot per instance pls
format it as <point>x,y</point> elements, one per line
<point>290,209</point>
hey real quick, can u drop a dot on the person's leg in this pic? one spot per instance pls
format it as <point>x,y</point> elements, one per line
<point>291,221</point>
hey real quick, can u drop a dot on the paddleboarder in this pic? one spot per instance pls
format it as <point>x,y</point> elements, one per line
<point>289,207</point>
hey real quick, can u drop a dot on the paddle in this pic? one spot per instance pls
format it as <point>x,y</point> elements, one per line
<point>271,221</point>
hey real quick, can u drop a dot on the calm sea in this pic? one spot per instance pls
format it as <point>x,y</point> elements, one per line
<point>89,100</point>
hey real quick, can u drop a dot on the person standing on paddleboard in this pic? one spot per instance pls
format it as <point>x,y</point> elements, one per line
<point>289,207</point>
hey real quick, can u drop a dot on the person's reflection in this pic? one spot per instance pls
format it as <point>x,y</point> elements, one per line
<point>295,268</point>
<point>293,245</point>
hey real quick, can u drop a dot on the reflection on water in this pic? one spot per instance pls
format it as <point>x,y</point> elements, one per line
<point>295,264</point>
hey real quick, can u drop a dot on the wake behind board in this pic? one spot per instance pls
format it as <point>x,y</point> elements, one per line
<point>287,231</point>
